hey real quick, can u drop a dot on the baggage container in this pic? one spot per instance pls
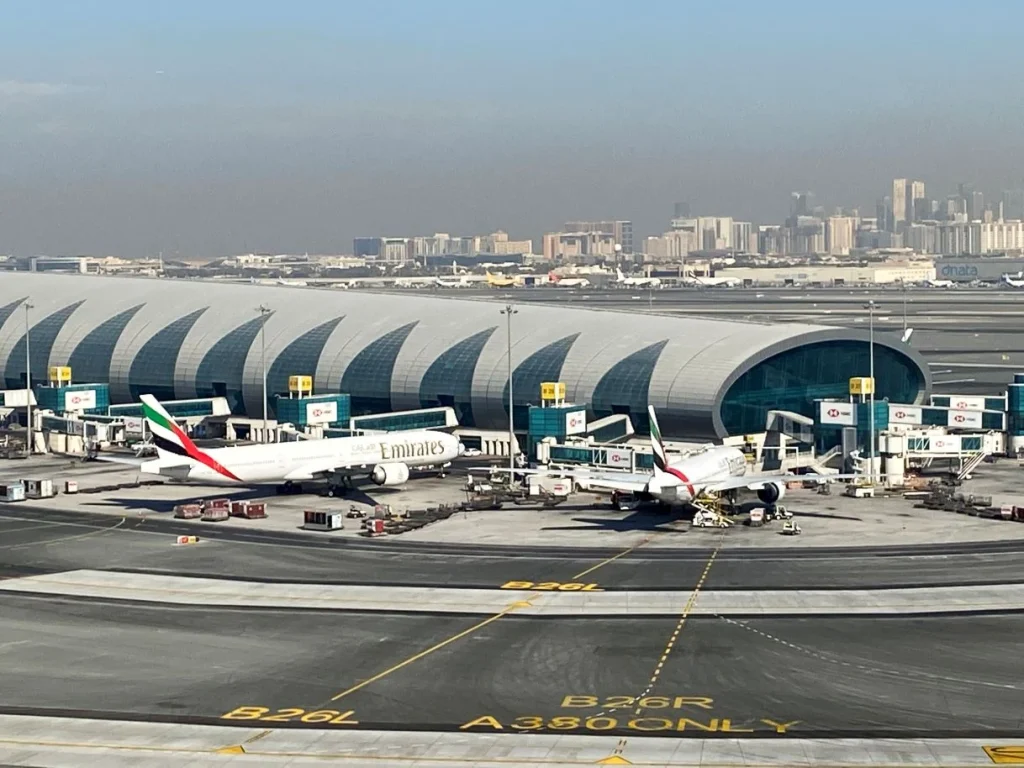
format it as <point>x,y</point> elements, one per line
<point>215,514</point>
<point>219,504</point>
<point>39,489</point>
<point>322,521</point>
<point>250,510</point>
<point>12,492</point>
<point>70,486</point>
<point>188,511</point>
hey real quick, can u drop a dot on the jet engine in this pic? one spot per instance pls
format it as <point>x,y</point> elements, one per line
<point>390,474</point>
<point>771,493</point>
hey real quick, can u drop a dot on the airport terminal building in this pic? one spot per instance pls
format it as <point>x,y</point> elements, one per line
<point>181,339</point>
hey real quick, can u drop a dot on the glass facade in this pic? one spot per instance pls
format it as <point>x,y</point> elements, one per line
<point>8,309</point>
<point>543,365</point>
<point>449,379</point>
<point>623,389</point>
<point>90,361</point>
<point>793,380</point>
<point>300,358</point>
<point>152,370</point>
<point>220,372</point>
<point>178,408</point>
<point>368,377</point>
<point>44,333</point>
<point>431,419</point>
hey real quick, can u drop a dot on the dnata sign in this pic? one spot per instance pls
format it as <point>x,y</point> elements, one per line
<point>958,272</point>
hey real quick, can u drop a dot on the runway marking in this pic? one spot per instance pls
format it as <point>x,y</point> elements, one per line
<point>681,623</point>
<point>62,539</point>
<point>5,531</point>
<point>612,559</point>
<point>422,654</point>
<point>901,674</point>
<point>551,586</point>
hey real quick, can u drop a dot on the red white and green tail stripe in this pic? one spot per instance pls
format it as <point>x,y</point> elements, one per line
<point>168,437</point>
<point>661,457</point>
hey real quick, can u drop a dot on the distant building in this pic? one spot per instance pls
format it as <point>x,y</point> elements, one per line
<point>899,204</point>
<point>621,231</point>
<point>681,210</point>
<point>839,235</point>
<point>1013,203</point>
<point>579,247</point>
<point>741,237</point>
<point>499,244</point>
<point>366,247</point>
<point>917,205</point>
<point>395,250</point>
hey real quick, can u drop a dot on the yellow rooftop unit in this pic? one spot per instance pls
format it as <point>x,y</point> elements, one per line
<point>60,374</point>
<point>552,392</point>
<point>862,385</point>
<point>300,385</point>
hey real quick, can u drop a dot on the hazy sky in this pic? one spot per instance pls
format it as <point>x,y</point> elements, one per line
<point>212,127</point>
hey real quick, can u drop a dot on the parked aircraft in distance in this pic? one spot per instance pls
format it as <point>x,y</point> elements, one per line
<point>568,282</point>
<point>636,282</point>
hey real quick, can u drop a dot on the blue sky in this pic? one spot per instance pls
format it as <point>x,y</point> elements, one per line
<point>206,128</point>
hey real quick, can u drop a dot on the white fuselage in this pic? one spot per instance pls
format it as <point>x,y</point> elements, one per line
<point>306,459</point>
<point>688,476</point>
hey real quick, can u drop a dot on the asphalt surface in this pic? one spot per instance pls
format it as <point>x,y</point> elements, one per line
<point>44,541</point>
<point>830,677</point>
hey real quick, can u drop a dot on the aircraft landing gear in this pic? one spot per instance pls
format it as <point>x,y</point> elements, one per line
<point>339,485</point>
<point>288,488</point>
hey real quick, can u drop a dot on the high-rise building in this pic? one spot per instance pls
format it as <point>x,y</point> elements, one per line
<point>899,203</point>
<point>713,233</point>
<point>578,246</point>
<point>883,213</point>
<point>975,205</point>
<point>916,202</point>
<point>839,235</point>
<point>620,231</point>
<point>396,250</point>
<point>741,234</point>
<point>1013,203</point>
<point>366,247</point>
<point>801,203</point>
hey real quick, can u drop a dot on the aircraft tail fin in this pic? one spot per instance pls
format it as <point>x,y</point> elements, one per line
<point>660,456</point>
<point>171,442</point>
<point>619,275</point>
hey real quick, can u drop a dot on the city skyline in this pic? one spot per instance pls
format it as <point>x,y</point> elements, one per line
<point>204,130</point>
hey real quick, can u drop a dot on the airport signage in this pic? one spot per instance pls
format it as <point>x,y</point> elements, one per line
<point>619,457</point>
<point>134,425</point>
<point>966,403</point>
<point>322,413</point>
<point>575,422</point>
<point>80,400</point>
<point>964,419</point>
<point>905,414</point>
<point>843,414</point>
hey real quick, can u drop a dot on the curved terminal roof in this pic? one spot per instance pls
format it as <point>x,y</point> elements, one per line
<point>182,339</point>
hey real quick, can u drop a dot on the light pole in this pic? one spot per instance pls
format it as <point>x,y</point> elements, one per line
<point>904,309</point>
<point>264,314</point>
<point>508,311</point>
<point>28,381</point>
<point>871,399</point>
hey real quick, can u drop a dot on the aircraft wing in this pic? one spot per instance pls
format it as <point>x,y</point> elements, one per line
<point>626,482</point>
<point>126,460</point>
<point>757,480</point>
<point>315,469</point>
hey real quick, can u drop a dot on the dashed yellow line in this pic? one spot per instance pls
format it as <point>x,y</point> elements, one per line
<point>680,624</point>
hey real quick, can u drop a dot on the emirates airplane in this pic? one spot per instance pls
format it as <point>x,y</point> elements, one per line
<point>386,458</point>
<point>684,480</point>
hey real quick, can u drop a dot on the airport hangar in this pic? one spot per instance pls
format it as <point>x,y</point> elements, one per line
<point>180,339</point>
